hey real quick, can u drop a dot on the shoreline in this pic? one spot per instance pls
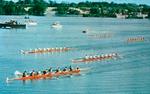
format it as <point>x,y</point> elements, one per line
<point>72,16</point>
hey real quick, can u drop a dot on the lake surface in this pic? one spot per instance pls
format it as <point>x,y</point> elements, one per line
<point>126,75</point>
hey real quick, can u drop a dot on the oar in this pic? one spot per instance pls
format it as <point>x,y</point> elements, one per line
<point>8,79</point>
<point>84,69</point>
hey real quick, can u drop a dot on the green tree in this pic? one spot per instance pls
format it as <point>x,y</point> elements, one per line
<point>52,3</point>
<point>27,2</point>
<point>149,13</point>
<point>62,10</point>
<point>39,7</point>
<point>95,11</point>
<point>73,12</point>
<point>9,8</point>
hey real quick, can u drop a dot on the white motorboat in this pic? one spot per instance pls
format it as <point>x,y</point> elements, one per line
<point>31,22</point>
<point>56,25</point>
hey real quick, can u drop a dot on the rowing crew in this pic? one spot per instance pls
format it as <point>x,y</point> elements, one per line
<point>48,71</point>
<point>41,50</point>
<point>135,39</point>
<point>96,57</point>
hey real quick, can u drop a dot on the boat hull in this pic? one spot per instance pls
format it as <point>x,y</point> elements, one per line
<point>21,26</point>
<point>49,75</point>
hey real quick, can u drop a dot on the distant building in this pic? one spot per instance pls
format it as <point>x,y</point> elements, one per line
<point>81,11</point>
<point>121,16</point>
<point>140,15</point>
<point>50,11</point>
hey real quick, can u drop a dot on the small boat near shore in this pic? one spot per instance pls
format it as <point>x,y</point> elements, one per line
<point>46,50</point>
<point>12,24</point>
<point>95,58</point>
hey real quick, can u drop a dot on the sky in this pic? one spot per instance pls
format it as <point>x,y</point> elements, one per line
<point>116,1</point>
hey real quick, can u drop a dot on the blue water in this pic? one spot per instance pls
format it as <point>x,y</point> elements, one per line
<point>126,75</point>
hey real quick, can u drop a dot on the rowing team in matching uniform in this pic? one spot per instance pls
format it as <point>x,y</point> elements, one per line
<point>45,50</point>
<point>135,39</point>
<point>102,56</point>
<point>50,70</point>
<point>96,57</point>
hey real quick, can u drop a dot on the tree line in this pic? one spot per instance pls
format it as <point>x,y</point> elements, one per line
<point>96,9</point>
<point>35,7</point>
<point>102,9</point>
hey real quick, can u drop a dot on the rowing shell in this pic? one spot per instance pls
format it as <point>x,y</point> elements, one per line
<point>94,58</point>
<point>46,50</point>
<point>137,39</point>
<point>44,76</point>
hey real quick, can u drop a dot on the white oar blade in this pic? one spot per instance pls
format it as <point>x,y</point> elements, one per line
<point>84,69</point>
<point>7,80</point>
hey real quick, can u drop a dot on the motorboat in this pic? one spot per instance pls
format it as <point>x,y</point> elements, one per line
<point>12,24</point>
<point>56,25</point>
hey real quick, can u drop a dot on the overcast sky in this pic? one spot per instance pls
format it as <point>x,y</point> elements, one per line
<point>116,1</point>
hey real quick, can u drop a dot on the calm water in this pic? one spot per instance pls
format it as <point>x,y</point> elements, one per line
<point>127,75</point>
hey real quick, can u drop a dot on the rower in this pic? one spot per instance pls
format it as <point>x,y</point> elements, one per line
<point>65,69</point>
<point>102,55</point>
<point>39,49</point>
<point>47,49</point>
<point>57,70</point>
<point>106,56</point>
<point>32,73</point>
<point>52,49</point>
<point>37,73</point>
<point>77,68</point>
<point>98,57</point>
<point>60,48</point>
<point>56,49</point>
<point>44,72</point>
<point>86,57</point>
<point>44,49</point>
<point>70,68</point>
<point>50,70</point>
<point>35,50</point>
<point>110,55</point>
<point>24,74</point>
<point>114,54</point>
